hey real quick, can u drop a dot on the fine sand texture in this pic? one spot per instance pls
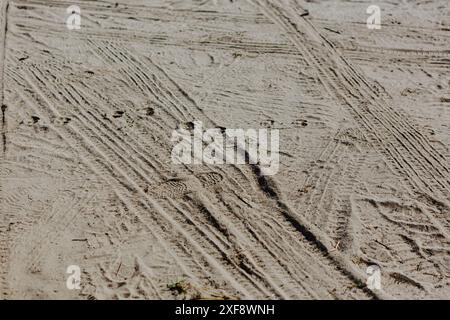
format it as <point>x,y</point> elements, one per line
<point>87,178</point>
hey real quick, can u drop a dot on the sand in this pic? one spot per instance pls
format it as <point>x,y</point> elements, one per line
<point>87,179</point>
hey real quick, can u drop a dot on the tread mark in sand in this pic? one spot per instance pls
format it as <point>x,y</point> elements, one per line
<point>174,188</point>
<point>210,178</point>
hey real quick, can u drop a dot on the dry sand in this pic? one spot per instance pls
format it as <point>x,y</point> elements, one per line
<point>86,176</point>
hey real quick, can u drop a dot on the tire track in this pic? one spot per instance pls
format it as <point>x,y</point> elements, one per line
<point>38,76</point>
<point>170,96</point>
<point>189,101</point>
<point>141,67</point>
<point>123,189</point>
<point>406,150</point>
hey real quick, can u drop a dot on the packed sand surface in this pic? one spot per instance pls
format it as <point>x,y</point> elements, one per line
<point>87,178</point>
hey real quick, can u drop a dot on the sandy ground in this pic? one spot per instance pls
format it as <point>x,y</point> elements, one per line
<point>86,176</point>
